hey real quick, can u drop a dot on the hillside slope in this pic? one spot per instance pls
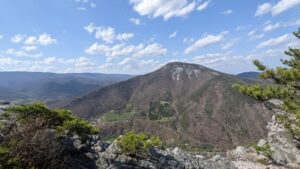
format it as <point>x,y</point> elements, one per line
<point>185,104</point>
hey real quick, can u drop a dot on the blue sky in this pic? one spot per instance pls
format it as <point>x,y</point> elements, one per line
<point>139,36</point>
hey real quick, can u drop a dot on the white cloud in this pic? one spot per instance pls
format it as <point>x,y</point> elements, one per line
<point>135,21</point>
<point>29,48</point>
<point>50,60</point>
<point>203,6</point>
<point>252,32</point>
<point>93,5</point>
<point>140,50</point>
<point>16,52</point>
<point>133,65</point>
<point>18,38</point>
<point>215,60</point>
<point>90,28</point>
<point>284,5</point>
<point>253,35</point>
<point>83,62</point>
<point>271,27</point>
<point>173,35</point>
<point>210,58</point>
<point>257,36</point>
<point>163,8</point>
<point>275,41</point>
<point>44,40</point>
<point>206,40</point>
<point>21,53</point>
<point>124,36</point>
<point>107,34</point>
<point>229,44</point>
<point>8,61</point>
<point>263,9</point>
<point>227,12</point>
<point>154,49</point>
<point>1,36</point>
<point>188,40</point>
<point>31,40</point>
<point>276,9</point>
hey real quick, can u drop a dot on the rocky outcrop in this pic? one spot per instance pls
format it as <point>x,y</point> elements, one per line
<point>282,145</point>
<point>113,158</point>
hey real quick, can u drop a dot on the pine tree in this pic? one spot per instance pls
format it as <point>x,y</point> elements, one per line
<point>285,86</point>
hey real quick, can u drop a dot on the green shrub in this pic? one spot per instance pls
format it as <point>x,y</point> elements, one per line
<point>264,150</point>
<point>137,145</point>
<point>28,122</point>
<point>61,120</point>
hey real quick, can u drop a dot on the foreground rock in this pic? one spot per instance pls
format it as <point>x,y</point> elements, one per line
<point>282,145</point>
<point>112,158</point>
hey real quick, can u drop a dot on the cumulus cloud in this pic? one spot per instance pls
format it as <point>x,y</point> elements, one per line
<point>43,39</point>
<point>8,61</point>
<point>16,52</point>
<point>163,8</point>
<point>29,48</point>
<point>206,40</point>
<point>275,41</point>
<point>46,39</point>
<point>135,21</point>
<point>1,36</point>
<point>107,34</point>
<point>83,62</point>
<point>276,9</point>
<point>22,53</point>
<point>140,50</point>
<point>18,38</point>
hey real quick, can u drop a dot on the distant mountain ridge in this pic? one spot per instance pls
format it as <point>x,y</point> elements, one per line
<point>249,75</point>
<point>52,86</point>
<point>185,104</point>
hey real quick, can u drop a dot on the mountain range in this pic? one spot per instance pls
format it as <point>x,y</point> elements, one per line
<point>17,86</point>
<point>187,105</point>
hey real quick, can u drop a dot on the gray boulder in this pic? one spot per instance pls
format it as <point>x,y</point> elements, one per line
<point>112,158</point>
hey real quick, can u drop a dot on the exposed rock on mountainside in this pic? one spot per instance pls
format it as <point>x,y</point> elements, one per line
<point>185,104</point>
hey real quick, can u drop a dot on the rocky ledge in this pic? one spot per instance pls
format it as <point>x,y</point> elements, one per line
<point>112,158</point>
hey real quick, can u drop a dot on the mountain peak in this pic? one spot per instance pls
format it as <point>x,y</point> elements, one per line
<point>189,70</point>
<point>184,65</point>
